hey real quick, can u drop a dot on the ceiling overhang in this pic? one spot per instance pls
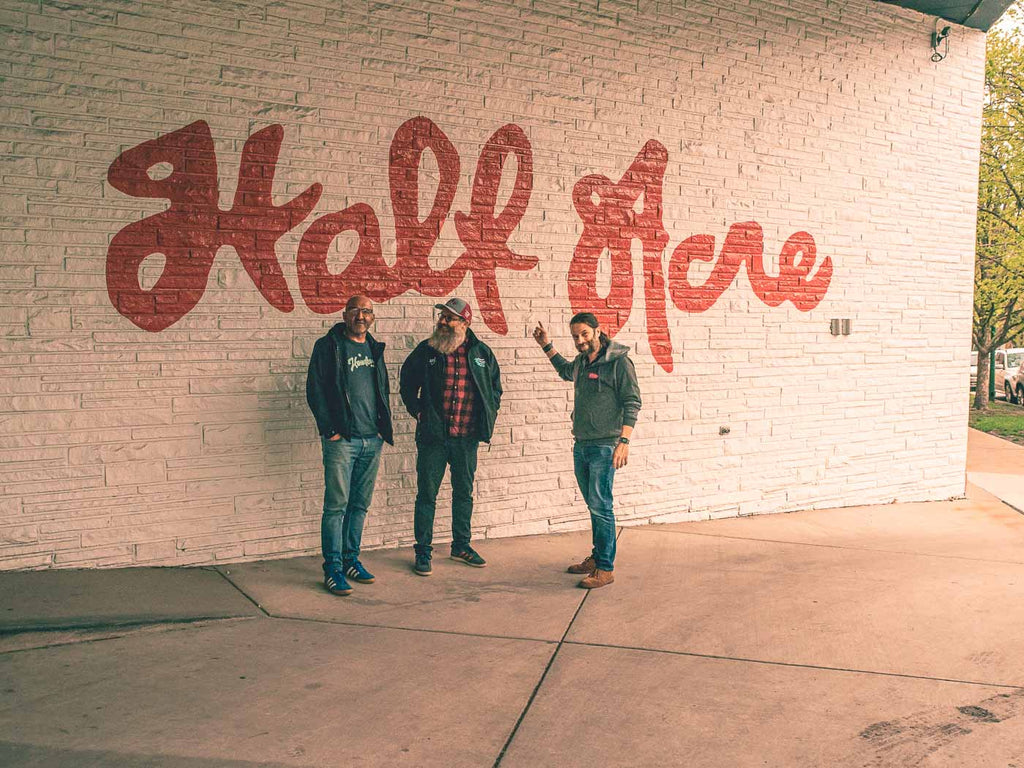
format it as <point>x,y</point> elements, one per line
<point>977,14</point>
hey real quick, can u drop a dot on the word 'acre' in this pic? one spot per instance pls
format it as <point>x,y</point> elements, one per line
<point>194,227</point>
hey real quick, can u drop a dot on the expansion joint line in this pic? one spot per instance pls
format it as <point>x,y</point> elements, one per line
<point>543,677</point>
<point>242,592</point>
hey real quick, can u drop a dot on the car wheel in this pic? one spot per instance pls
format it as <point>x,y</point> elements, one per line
<point>1010,397</point>
<point>1020,394</point>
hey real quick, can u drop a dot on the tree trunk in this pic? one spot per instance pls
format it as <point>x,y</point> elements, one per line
<point>981,388</point>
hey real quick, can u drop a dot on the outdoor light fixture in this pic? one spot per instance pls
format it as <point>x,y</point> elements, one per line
<point>940,37</point>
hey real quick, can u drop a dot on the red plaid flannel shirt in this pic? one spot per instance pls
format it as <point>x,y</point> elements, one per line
<point>459,394</point>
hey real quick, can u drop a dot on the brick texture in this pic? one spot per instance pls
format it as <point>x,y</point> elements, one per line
<point>192,443</point>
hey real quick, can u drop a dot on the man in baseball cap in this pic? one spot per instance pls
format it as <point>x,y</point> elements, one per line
<point>458,307</point>
<point>451,385</point>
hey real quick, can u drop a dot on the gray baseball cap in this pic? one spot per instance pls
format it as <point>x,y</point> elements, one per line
<point>457,307</point>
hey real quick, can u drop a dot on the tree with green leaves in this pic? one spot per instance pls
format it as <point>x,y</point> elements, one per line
<point>999,267</point>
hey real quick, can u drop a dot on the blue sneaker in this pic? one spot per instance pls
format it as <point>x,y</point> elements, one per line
<point>468,556</point>
<point>422,566</point>
<point>357,573</point>
<point>334,582</point>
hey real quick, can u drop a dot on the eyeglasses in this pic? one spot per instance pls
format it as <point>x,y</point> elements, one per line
<point>360,311</point>
<point>448,317</point>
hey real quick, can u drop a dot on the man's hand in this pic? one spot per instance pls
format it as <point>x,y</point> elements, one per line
<point>620,457</point>
<point>540,335</point>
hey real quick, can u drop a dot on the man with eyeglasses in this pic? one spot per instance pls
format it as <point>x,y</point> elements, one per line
<point>451,385</point>
<point>348,392</point>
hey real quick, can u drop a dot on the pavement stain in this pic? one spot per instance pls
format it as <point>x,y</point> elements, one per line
<point>979,713</point>
<point>881,731</point>
<point>453,591</point>
<point>910,740</point>
<point>985,658</point>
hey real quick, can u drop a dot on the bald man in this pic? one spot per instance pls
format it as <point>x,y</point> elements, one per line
<point>348,392</point>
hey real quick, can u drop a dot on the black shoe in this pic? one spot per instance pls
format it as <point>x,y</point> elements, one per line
<point>422,565</point>
<point>469,557</point>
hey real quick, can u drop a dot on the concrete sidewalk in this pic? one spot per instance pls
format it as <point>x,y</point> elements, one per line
<point>996,466</point>
<point>871,636</point>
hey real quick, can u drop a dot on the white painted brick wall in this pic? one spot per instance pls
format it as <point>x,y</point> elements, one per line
<point>194,445</point>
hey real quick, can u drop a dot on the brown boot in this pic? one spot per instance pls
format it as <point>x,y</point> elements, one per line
<point>587,566</point>
<point>597,579</point>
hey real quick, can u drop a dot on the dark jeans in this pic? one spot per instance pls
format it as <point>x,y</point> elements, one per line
<point>350,469</point>
<point>594,474</point>
<point>459,453</point>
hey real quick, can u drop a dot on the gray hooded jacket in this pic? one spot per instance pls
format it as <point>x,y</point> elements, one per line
<point>607,393</point>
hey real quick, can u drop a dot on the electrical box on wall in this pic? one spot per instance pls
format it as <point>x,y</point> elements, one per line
<point>840,326</point>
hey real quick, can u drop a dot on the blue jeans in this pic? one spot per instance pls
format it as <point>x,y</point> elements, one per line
<point>458,453</point>
<point>594,475</point>
<point>350,470</point>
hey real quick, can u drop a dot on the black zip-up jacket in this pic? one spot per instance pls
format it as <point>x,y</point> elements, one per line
<point>421,384</point>
<point>607,395</point>
<point>327,390</point>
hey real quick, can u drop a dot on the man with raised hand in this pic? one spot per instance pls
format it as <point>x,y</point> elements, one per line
<point>607,401</point>
<point>348,392</point>
<point>451,385</point>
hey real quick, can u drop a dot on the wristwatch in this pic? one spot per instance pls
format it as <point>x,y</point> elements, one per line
<point>624,440</point>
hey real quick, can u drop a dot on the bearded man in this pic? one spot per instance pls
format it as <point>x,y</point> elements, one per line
<point>605,408</point>
<point>451,385</point>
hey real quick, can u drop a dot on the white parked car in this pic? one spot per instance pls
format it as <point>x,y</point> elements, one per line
<point>1009,378</point>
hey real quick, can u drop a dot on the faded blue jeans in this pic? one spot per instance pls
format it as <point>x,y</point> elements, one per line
<point>594,475</point>
<point>350,471</point>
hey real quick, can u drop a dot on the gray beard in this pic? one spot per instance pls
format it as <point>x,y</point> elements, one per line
<point>446,339</point>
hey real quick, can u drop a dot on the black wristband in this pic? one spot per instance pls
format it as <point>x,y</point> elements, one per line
<point>547,347</point>
<point>624,440</point>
